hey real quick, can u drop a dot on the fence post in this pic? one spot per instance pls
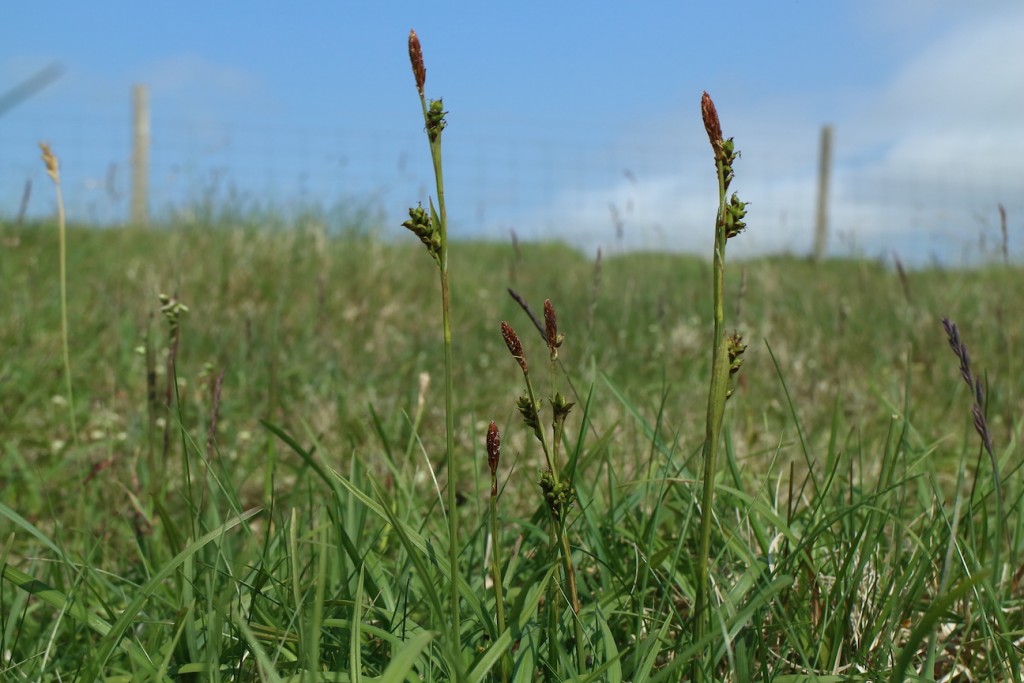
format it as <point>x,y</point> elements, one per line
<point>821,215</point>
<point>140,156</point>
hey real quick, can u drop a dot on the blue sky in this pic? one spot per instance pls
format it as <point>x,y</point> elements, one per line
<point>563,117</point>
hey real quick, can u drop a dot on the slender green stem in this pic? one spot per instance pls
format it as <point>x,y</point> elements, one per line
<point>552,601</point>
<point>574,597</point>
<point>62,233</point>
<point>453,518</point>
<point>565,548</point>
<point>499,591</point>
<point>449,411</point>
<point>553,594</point>
<point>559,537</point>
<point>532,396</point>
<point>713,427</point>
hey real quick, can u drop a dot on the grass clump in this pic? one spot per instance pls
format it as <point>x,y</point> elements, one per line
<point>316,511</point>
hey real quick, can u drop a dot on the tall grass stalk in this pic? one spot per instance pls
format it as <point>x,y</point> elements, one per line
<point>981,427</point>
<point>53,170</point>
<point>432,230</point>
<point>724,361</point>
<point>560,408</point>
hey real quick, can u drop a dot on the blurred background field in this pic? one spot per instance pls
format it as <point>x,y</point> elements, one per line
<point>321,333</point>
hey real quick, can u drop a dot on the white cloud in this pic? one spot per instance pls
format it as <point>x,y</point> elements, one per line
<point>967,86</point>
<point>911,15</point>
<point>920,161</point>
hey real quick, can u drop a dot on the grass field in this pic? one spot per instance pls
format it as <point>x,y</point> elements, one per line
<point>234,453</point>
<point>858,533</point>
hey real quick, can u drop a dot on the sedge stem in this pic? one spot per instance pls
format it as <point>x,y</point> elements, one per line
<point>713,427</point>
<point>453,521</point>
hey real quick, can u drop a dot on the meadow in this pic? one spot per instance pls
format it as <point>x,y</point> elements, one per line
<point>233,453</point>
<point>851,417</point>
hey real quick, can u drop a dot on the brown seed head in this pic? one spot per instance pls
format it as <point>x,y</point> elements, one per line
<point>416,58</point>
<point>551,326</point>
<point>50,159</point>
<point>493,448</point>
<point>711,124</point>
<point>973,382</point>
<point>515,347</point>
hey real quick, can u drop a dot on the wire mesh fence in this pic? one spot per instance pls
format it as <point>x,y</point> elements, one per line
<point>622,196</point>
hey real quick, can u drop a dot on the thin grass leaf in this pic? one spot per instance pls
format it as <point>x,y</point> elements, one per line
<point>650,647</point>
<point>145,592</point>
<point>525,610</point>
<point>927,624</point>
<point>355,649</point>
<point>612,655</point>
<point>332,482</point>
<point>78,611</point>
<point>20,521</point>
<point>404,660</point>
<point>170,648</point>
<point>320,587</point>
<point>650,432</point>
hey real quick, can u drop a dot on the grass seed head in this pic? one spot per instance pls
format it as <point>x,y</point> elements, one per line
<point>493,455</point>
<point>712,124</point>
<point>973,383</point>
<point>735,212</point>
<point>515,347</point>
<point>725,154</point>
<point>960,349</point>
<point>530,410</point>
<point>422,224</point>
<point>419,70</point>
<point>435,119</point>
<point>52,164</point>
<point>172,309</point>
<point>551,336</point>
<point>736,347</point>
<point>560,408</point>
<point>559,495</point>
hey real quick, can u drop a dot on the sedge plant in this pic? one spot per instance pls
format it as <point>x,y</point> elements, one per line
<point>432,229</point>
<point>725,362</point>
<point>556,487</point>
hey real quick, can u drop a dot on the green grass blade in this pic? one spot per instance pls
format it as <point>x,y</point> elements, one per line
<point>119,628</point>
<point>355,649</point>
<point>267,669</point>
<point>526,610</point>
<point>927,624</point>
<point>20,521</point>
<point>59,601</point>
<point>404,660</point>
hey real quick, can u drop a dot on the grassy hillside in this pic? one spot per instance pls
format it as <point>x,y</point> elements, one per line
<point>857,517</point>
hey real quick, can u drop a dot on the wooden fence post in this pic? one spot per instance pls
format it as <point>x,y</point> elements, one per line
<point>140,156</point>
<point>821,214</point>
